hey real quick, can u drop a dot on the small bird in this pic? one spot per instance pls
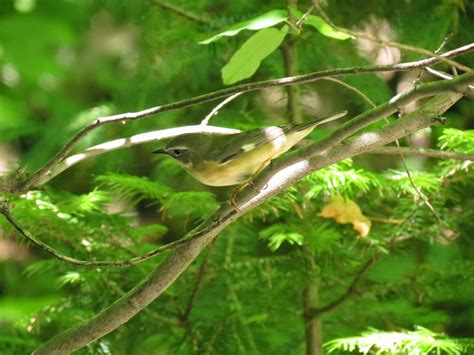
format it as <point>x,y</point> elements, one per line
<point>224,160</point>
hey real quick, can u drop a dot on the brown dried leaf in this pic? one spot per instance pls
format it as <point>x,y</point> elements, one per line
<point>347,211</point>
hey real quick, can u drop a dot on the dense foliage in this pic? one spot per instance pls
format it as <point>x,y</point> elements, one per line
<point>64,63</point>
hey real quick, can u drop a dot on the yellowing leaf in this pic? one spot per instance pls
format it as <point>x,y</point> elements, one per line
<point>347,211</point>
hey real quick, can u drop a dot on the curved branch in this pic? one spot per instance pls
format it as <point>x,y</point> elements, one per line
<point>96,263</point>
<point>289,170</point>
<point>300,79</point>
<point>121,143</point>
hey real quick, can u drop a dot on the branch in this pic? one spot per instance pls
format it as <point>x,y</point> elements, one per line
<point>459,83</point>
<point>300,79</point>
<point>183,12</point>
<point>216,109</point>
<point>316,312</point>
<point>121,143</point>
<point>357,34</point>
<point>96,263</point>
<point>430,153</point>
<point>289,170</point>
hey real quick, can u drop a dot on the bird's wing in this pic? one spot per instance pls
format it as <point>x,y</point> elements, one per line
<point>235,144</point>
<point>232,145</point>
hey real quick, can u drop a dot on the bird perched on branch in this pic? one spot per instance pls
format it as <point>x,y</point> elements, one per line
<point>234,159</point>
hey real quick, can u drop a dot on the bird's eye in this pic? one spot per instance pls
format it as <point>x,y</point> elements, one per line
<point>177,152</point>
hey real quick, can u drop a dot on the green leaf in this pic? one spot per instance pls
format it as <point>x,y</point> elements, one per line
<point>322,26</point>
<point>245,62</point>
<point>266,20</point>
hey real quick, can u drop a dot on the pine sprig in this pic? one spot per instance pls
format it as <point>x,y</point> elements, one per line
<point>134,188</point>
<point>420,341</point>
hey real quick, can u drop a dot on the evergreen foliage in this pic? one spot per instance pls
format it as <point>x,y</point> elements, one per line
<point>64,63</point>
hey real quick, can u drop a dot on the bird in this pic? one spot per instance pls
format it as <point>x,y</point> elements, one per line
<point>234,159</point>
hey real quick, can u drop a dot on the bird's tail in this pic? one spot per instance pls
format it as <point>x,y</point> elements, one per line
<point>319,121</point>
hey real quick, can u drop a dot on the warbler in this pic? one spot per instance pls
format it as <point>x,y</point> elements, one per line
<point>224,160</point>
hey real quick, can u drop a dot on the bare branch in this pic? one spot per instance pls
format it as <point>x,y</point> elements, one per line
<point>352,88</point>
<point>121,143</point>
<point>431,153</point>
<point>216,109</point>
<point>300,79</point>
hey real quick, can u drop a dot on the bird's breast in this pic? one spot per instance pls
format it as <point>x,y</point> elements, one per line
<point>235,171</point>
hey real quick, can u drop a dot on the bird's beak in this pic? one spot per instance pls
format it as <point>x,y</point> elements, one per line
<point>160,151</point>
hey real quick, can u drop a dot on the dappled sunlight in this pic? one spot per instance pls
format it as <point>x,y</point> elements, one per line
<point>379,53</point>
<point>405,83</point>
<point>9,74</point>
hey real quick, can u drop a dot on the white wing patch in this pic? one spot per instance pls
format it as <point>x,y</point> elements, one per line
<point>276,137</point>
<point>248,147</point>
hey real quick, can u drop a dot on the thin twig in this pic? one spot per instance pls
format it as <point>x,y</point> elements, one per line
<point>431,153</point>
<point>405,167</point>
<point>183,12</point>
<point>94,264</point>
<point>216,109</point>
<point>352,88</point>
<point>350,290</point>
<point>418,192</point>
<point>300,79</point>
<point>304,17</point>
<point>437,51</point>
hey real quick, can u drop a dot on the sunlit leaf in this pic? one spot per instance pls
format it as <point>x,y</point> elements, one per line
<point>245,62</point>
<point>266,20</point>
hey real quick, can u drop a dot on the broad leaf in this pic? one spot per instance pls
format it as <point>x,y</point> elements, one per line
<point>245,62</point>
<point>266,20</point>
<point>322,26</point>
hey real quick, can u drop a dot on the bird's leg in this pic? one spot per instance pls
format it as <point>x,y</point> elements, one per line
<point>236,191</point>
<point>260,169</point>
<point>250,183</point>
